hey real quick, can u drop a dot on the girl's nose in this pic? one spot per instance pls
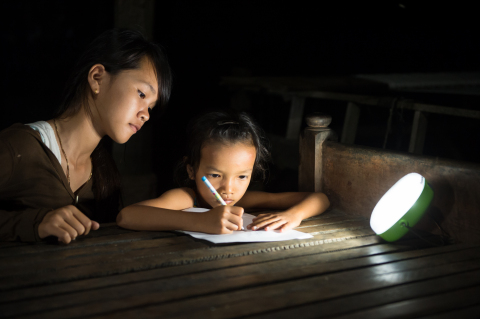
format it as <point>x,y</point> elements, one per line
<point>227,187</point>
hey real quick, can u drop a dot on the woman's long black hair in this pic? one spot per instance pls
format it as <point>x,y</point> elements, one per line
<point>117,50</point>
<point>226,127</point>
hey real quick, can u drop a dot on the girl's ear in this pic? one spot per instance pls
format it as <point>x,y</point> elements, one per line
<point>191,172</point>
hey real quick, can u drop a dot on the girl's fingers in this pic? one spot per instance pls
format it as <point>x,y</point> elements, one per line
<point>74,223</point>
<point>68,234</point>
<point>275,225</point>
<point>264,218</point>
<point>231,227</point>
<point>263,223</point>
<point>95,225</point>
<point>286,227</point>
<point>62,235</point>
<point>84,221</point>
<point>237,221</point>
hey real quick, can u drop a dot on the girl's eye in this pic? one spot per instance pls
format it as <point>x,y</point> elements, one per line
<point>141,94</point>
<point>243,176</point>
<point>215,175</point>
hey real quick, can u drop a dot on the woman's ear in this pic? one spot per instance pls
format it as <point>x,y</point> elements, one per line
<point>191,172</point>
<point>97,77</point>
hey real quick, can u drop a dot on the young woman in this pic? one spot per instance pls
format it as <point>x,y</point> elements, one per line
<point>228,149</point>
<point>56,178</point>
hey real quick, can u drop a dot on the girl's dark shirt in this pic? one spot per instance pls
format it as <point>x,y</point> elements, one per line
<point>32,183</point>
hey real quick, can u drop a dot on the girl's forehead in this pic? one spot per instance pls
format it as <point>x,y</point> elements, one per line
<point>226,152</point>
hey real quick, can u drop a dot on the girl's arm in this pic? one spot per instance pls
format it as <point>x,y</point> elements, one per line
<point>165,213</point>
<point>297,205</point>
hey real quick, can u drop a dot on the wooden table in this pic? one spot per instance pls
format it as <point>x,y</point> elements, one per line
<point>344,271</point>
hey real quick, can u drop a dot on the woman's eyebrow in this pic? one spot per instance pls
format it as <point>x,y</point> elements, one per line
<point>150,86</point>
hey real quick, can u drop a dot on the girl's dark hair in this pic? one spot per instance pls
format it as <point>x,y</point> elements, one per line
<point>117,50</point>
<point>222,127</point>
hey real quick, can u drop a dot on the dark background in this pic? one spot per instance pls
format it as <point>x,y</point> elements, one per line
<point>206,40</point>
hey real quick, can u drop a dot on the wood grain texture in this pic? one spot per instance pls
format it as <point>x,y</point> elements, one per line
<point>355,178</point>
<point>168,274</point>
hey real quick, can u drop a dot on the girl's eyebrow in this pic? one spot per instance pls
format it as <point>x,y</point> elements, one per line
<point>150,86</point>
<point>217,170</point>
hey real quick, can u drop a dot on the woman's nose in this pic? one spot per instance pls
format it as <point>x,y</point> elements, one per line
<point>144,115</point>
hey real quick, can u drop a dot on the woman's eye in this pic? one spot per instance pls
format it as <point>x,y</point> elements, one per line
<point>141,94</point>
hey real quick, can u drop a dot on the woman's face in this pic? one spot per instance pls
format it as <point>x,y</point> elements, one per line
<point>124,101</point>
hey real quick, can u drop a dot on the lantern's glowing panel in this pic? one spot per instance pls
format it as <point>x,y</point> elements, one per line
<point>402,205</point>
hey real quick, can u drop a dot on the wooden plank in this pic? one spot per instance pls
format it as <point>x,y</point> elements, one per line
<point>245,302</point>
<point>25,264</point>
<point>82,242</point>
<point>334,227</point>
<point>417,137</point>
<point>349,304</point>
<point>48,270</point>
<point>330,221</point>
<point>311,272</point>
<point>60,301</point>
<point>468,312</point>
<point>88,284</point>
<point>180,258</point>
<point>430,305</point>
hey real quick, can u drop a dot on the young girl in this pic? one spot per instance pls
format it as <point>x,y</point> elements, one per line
<point>56,179</point>
<point>230,150</point>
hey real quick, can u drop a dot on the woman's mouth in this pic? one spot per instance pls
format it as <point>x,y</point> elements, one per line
<point>134,128</point>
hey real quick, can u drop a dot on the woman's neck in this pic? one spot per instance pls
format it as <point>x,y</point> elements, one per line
<point>78,136</point>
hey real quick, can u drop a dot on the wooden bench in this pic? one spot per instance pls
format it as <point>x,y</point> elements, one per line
<point>344,271</point>
<point>356,177</point>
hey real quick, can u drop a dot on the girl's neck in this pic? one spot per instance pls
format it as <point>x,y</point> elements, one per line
<point>78,136</point>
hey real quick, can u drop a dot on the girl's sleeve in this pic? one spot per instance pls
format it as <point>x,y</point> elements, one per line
<point>16,225</point>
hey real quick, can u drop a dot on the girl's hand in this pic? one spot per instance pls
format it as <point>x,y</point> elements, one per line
<point>276,221</point>
<point>66,223</point>
<point>222,220</point>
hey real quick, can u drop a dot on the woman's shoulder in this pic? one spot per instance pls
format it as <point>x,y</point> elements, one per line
<point>19,134</point>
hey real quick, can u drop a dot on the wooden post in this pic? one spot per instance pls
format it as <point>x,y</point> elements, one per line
<point>295,118</point>
<point>350,123</point>
<point>417,138</point>
<point>311,149</point>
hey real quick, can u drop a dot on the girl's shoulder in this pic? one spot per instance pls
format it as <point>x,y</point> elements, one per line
<point>177,199</point>
<point>186,192</point>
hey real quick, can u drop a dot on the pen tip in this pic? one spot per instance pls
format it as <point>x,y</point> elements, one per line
<point>204,178</point>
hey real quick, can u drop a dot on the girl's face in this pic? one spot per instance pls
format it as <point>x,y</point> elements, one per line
<point>228,167</point>
<point>124,101</point>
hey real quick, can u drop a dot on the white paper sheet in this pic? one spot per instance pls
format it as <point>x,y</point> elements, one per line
<point>245,236</point>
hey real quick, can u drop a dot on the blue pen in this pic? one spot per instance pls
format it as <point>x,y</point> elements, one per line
<point>214,191</point>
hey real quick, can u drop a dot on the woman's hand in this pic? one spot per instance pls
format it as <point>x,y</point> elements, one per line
<point>222,220</point>
<point>276,221</point>
<point>66,223</point>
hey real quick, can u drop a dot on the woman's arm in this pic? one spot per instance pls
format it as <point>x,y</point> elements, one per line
<point>20,223</point>
<point>297,205</point>
<point>165,213</point>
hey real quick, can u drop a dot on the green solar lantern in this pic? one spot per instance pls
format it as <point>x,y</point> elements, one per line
<point>402,206</point>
